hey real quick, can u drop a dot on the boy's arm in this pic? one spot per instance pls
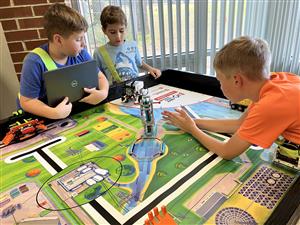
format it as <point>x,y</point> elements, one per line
<point>227,150</point>
<point>96,96</point>
<point>153,71</point>
<point>228,126</point>
<point>102,82</point>
<point>39,108</point>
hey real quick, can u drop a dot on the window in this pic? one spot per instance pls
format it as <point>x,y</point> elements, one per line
<point>186,34</point>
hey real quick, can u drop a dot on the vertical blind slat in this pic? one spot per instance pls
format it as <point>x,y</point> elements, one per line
<point>196,39</point>
<point>230,34</point>
<point>94,37</point>
<point>277,31</point>
<point>272,6</point>
<point>272,40</point>
<point>133,19</point>
<point>152,33</point>
<point>213,34</point>
<point>283,31</point>
<point>286,50</point>
<point>264,12</point>
<point>239,18</point>
<point>162,33</point>
<point>248,18</point>
<point>187,36</point>
<point>203,36</point>
<point>171,36</point>
<point>143,30</point>
<point>255,21</point>
<point>222,23</point>
<point>178,20</point>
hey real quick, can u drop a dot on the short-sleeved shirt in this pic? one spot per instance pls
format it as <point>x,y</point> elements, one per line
<point>32,81</point>
<point>276,113</point>
<point>126,59</point>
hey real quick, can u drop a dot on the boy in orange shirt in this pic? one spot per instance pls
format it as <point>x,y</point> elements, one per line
<point>242,68</point>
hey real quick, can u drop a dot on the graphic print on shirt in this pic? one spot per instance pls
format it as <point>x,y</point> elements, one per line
<point>125,66</point>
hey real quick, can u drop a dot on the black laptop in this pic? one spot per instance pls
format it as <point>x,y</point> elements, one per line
<point>69,81</point>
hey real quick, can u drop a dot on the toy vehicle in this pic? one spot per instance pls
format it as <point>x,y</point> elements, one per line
<point>23,131</point>
<point>241,105</point>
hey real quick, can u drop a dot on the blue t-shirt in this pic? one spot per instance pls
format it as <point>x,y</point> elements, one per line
<point>126,59</point>
<point>32,80</point>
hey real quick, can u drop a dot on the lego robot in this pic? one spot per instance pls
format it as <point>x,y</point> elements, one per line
<point>132,91</point>
<point>146,105</point>
<point>287,154</point>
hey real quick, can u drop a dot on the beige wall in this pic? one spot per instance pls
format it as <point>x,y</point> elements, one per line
<point>9,84</point>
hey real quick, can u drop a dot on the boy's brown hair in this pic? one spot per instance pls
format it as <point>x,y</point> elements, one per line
<point>112,15</point>
<point>250,56</point>
<point>63,20</point>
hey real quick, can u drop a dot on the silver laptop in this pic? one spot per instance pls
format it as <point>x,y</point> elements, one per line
<point>69,81</point>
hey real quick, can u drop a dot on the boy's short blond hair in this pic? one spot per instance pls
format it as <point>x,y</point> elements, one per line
<point>247,55</point>
<point>112,15</point>
<point>63,20</point>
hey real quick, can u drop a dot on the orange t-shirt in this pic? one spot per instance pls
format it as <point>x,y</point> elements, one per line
<point>277,112</point>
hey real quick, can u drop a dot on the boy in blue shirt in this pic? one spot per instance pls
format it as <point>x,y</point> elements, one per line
<point>119,59</point>
<point>65,30</point>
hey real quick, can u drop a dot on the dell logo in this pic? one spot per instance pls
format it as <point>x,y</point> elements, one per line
<point>74,83</point>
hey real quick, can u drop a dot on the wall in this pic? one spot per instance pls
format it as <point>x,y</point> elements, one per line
<point>23,29</point>
<point>9,84</point>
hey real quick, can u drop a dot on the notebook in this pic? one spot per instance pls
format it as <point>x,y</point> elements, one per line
<point>69,81</point>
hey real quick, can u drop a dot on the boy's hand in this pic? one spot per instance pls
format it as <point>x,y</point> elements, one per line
<point>64,108</point>
<point>155,72</point>
<point>180,119</point>
<point>95,96</point>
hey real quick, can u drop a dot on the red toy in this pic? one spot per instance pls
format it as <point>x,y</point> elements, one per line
<point>160,219</point>
<point>23,131</point>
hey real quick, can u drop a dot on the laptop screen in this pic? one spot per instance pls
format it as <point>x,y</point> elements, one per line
<point>69,82</point>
